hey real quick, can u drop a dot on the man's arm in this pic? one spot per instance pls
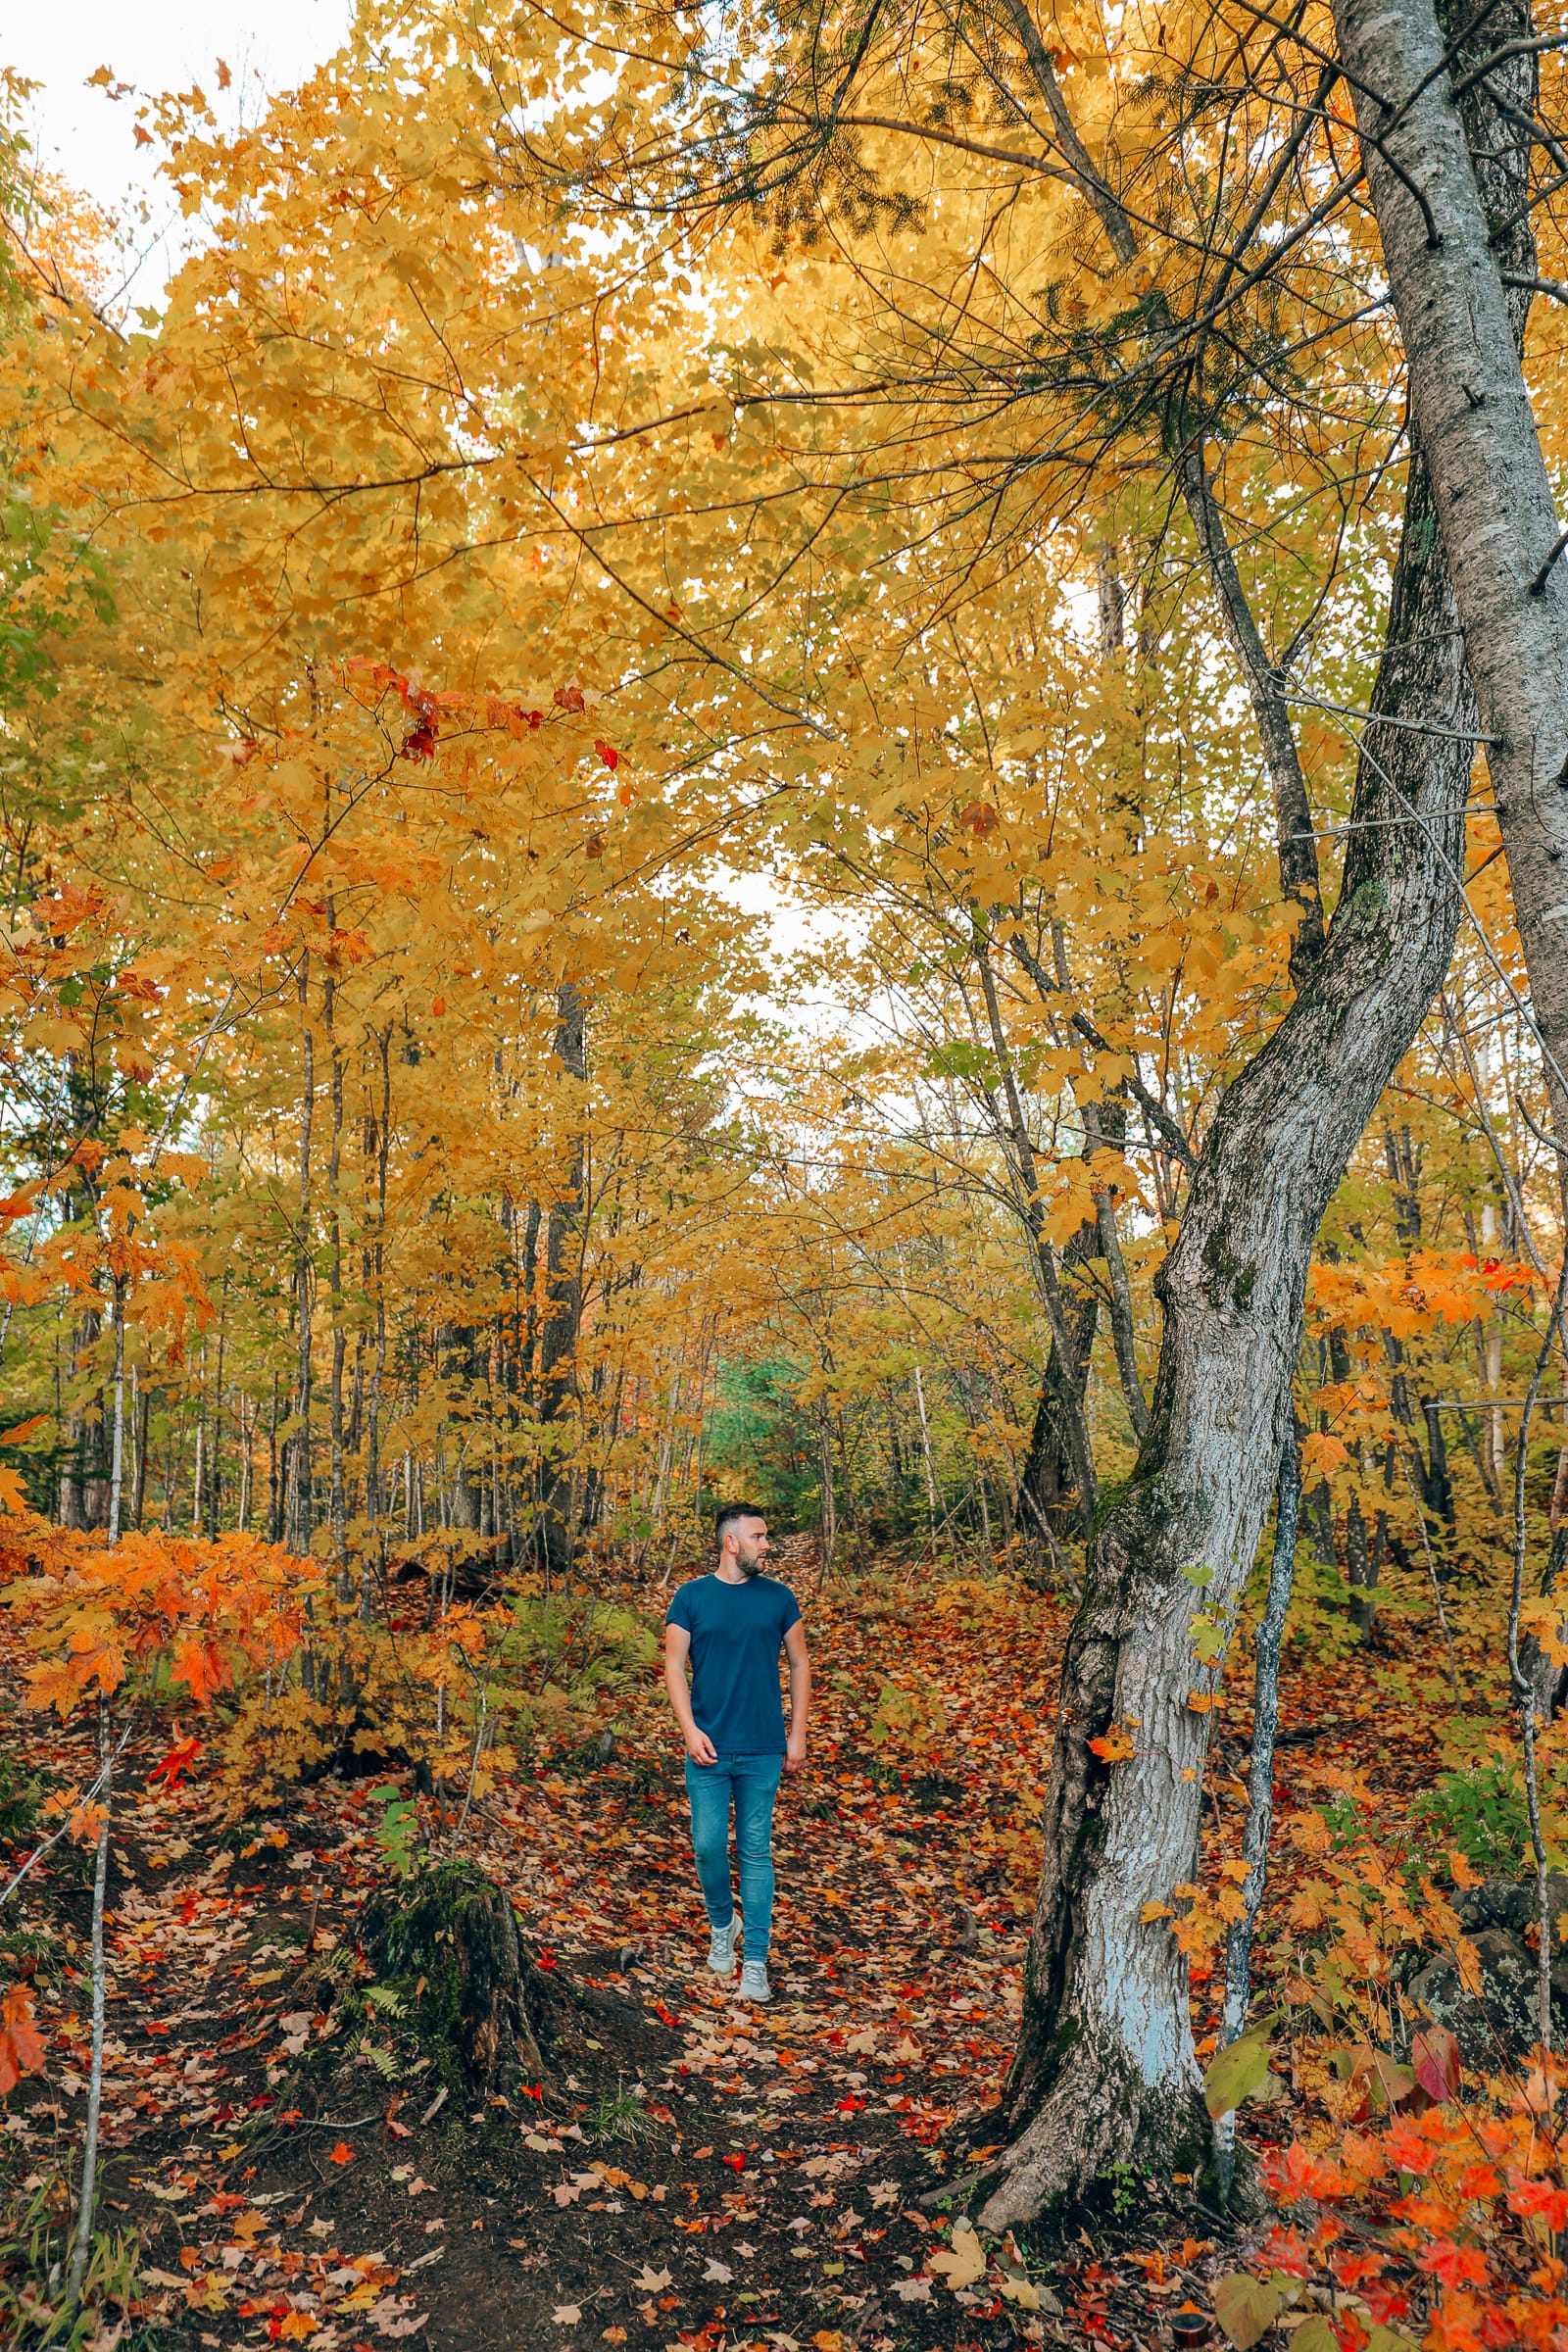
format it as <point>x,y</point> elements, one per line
<point>678,1649</point>
<point>800,1696</point>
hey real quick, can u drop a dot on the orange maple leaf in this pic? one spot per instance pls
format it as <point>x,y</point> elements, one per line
<point>203,1667</point>
<point>21,2050</point>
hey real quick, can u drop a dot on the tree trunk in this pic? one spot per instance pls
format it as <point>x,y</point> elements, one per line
<point>1104,2072</point>
<point>85,1481</point>
<point>139,1497</point>
<point>1362,1571</point>
<point>1048,1487</point>
<point>337,1501</point>
<point>1122,1328</point>
<point>562,1316</point>
<point>1292,818</point>
<point>299,1512</point>
<point>1461,323</point>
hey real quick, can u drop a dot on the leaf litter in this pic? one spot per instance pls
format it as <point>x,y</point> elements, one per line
<point>696,2175</point>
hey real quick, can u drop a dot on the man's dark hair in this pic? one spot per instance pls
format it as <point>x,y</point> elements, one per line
<point>732,1511</point>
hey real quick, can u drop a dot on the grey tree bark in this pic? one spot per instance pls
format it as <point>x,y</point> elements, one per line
<point>1104,2072</point>
<point>1292,814</point>
<point>1449,256</point>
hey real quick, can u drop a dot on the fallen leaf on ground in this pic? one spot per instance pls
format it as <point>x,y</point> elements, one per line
<point>961,2264</point>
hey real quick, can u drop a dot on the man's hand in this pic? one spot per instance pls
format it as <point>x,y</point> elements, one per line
<point>678,1649</point>
<point>795,1756</point>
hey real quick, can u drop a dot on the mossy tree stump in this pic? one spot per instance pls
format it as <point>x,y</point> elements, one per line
<point>447,1940</point>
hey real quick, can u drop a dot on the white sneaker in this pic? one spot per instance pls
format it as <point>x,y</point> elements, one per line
<point>721,1944</point>
<point>754,1985</point>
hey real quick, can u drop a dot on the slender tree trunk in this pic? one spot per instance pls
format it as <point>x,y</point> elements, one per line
<point>1104,2072</point>
<point>562,1310</point>
<point>141,1405</point>
<point>1014,1134</point>
<point>1292,820</point>
<point>1121,1313</point>
<point>383,1145</point>
<point>925,1449</point>
<point>274,1499</point>
<point>215,1468</point>
<point>1047,1482</point>
<point>81,2247</point>
<point>1362,1575</point>
<point>1268,1642</point>
<point>198,1487</point>
<point>298,1507</point>
<point>247,1429</point>
<point>116,1463</point>
<point>338,1503</point>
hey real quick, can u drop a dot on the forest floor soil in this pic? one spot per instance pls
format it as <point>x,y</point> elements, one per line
<point>695,2172</point>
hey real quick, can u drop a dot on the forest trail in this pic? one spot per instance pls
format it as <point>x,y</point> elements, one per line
<point>696,2173</point>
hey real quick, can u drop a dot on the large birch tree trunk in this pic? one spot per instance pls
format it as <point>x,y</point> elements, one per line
<point>1450,251</point>
<point>1104,2073</point>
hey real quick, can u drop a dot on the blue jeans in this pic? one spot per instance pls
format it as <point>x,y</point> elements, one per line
<point>750,1784</point>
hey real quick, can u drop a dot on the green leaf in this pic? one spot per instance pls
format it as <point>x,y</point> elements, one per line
<point>1240,2069</point>
<point>1245,2307</point>
<point>1316,2335</point>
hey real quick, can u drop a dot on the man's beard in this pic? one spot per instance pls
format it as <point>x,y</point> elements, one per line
<point>748,1568</point>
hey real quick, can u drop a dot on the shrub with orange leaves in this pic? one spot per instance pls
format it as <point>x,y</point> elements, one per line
<point>1424,2203</point>
<point>1469,2205</point>
<point>98,1614</point>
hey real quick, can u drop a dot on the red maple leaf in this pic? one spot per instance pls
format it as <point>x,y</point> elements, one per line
<point>1540,2197</point>
<point>1456,2265</point>
<point>174,1768</point>
<point>1293,2174</point>
<point>1409,2147</point>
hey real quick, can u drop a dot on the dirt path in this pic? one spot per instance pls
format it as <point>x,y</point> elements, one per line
<point>695,2172</point>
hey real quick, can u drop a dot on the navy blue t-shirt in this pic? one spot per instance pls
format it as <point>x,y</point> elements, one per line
<point>737,1632</point>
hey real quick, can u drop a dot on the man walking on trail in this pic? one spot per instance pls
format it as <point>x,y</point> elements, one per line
<point>730,1628</point>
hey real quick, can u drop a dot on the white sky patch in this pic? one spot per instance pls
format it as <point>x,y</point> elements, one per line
<point>156,45</point>
<point>786,927</point>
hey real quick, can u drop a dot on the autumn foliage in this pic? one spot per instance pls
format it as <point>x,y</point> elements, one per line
<point>648,739</point>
